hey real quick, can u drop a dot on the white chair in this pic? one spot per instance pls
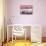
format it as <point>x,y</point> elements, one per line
<point>17,31</point>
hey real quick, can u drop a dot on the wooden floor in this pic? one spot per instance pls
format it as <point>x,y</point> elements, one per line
<point>18,43</point>
<point>23,43</point>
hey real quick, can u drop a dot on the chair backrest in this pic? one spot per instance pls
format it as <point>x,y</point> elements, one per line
<point>18,30</point>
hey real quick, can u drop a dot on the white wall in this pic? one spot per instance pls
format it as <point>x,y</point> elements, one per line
<point>38,16</point>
